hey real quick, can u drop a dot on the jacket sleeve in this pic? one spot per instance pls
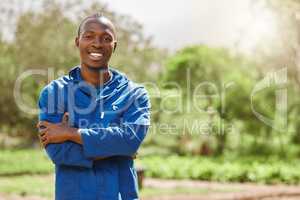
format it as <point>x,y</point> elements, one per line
<point>123,139</point>
<point>51,110</point>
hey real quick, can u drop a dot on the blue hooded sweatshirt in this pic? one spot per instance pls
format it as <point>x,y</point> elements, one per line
<point>113,121</point>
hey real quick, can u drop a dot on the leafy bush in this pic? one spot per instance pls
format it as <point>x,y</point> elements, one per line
<point>260,170</point>
<point>226,169</point>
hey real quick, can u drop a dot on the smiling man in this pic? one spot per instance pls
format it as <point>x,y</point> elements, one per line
<point>108,118</point>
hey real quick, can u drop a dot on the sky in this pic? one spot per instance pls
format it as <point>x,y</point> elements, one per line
<point>174,24</point>
<point>177,23</point>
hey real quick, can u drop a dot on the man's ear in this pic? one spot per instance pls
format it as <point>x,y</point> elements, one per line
<point>115,46</point>
<point>77,41</point>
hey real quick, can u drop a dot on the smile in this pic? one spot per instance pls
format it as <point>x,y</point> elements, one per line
<point>95,56</point>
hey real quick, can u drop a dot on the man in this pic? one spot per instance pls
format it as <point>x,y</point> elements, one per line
<point>108,118</point>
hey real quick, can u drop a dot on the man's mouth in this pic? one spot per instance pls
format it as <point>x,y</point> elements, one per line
<point>95,56</point>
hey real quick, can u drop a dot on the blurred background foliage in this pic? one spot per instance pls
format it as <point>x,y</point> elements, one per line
<point>213,119</point>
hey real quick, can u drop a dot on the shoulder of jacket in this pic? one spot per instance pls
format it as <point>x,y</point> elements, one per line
<point>138,91</point>
<point>136,87</point>
<point>57,84</point>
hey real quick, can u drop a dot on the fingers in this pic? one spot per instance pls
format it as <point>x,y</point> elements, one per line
<point>42,124</point>
<point>45,142</point>
<point>65,118</point>
<point>43,137</point>
<point>42,131</point>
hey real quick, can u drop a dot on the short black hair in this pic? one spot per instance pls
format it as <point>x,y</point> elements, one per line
<point>93,16</point>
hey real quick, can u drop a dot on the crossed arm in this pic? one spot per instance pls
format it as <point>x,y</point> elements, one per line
<point>67,145</point>
<point>51,133</point>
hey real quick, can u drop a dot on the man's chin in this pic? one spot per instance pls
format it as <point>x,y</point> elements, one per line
<point>97,68</point>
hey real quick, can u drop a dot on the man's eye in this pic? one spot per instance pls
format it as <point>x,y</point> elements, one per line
<point>107,39</point>
<point>87,36</point>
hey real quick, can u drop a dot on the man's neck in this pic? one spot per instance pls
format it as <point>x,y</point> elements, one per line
<point>95,77</point>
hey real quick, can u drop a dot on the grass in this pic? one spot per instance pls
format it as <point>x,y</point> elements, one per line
<point>32,185</point>
<point>43,186</point>
<point>19,162</point>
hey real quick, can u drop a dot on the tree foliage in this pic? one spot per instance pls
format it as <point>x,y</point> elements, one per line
<point>225,83</point>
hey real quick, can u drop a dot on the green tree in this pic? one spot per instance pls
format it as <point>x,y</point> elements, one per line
<point>285,52</point>
<point>226,82</point>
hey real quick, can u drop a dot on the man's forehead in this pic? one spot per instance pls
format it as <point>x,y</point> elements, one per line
<point>94,23</point>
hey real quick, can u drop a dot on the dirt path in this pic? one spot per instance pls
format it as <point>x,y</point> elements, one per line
<point>213,191</point>
<point>226,191</point>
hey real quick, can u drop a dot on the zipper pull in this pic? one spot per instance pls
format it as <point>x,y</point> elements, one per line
<point>102,115</point>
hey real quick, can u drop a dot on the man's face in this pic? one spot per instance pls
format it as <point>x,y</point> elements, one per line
<point>96,43</point>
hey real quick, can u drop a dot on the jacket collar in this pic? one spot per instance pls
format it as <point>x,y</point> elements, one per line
<point>118,81</point>
<point>74,74</point>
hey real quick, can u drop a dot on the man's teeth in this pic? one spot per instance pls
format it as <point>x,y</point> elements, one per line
<point>96,54</point>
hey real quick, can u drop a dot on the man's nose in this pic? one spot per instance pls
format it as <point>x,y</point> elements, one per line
<point>98,42</point>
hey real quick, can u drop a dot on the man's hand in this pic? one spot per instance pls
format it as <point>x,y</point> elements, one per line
<point>54,133</point>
